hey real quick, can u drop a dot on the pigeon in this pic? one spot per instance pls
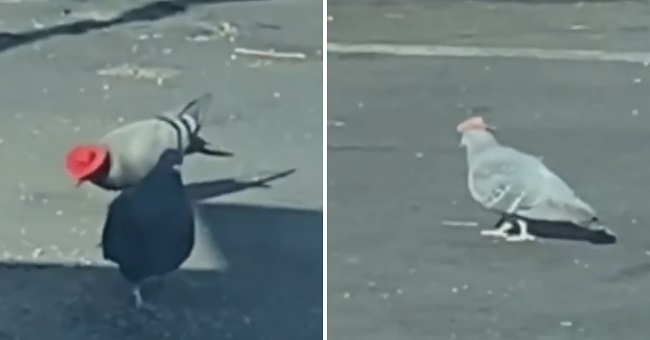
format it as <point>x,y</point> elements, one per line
<point>518,186</point>
<point>149,228</point>
<point>125,155</point>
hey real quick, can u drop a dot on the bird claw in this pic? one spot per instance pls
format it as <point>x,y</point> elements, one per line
<point>140,304</point>
<point>145,306</point>
<point>494,233</point>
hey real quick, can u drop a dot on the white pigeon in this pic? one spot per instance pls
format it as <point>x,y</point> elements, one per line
<point>125,155</point>
<point>518,186</point>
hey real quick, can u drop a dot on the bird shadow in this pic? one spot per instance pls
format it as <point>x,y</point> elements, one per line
<point>275,265</point>
<point>210,189</point>
<point>147,12</point>
<point>568,232</point>
<point>272,289</point>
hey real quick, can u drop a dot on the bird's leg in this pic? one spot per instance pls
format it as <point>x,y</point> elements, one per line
<point>500,221</point>
<point>523,235</point>
<point>502,228</point>
<point>140,304</point>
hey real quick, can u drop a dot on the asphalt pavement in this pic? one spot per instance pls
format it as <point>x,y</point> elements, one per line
<point>399,265</point>
<point>73,70</point>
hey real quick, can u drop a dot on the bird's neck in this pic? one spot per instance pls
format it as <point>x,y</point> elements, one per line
<point>478,142</point>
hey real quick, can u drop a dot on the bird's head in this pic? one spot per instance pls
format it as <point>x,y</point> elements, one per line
<point>86,162</point>
<point>474,130</point>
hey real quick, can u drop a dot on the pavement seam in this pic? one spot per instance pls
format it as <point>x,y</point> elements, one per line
<point>405,50</point>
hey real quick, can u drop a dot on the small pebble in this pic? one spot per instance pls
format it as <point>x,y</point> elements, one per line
<point>635,112</point>
<point>38,252</point>
<point>346,295</point>
<point>419,155</point>
<point>637,80</point>
<point>454,290</point>
<point>336,123</point>
<point>566,323</point>
<point>276,94</point>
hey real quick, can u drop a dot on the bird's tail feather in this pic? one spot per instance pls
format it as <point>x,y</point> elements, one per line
<point>197,107</point>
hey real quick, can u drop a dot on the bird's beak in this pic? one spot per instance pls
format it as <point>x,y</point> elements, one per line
<point>79,183</point>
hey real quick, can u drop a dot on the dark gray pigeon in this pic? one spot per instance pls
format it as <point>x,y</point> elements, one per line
<point>149,229</point>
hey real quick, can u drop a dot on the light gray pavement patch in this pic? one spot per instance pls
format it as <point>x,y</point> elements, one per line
<point>268,112</point>
<point>395,173</point>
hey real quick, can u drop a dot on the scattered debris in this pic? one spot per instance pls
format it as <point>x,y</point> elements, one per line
<point>228,30</point>
<point>37,253</point>
<point>90,15</point>
<point>207,32</point>
<point>335,123</point>
<point>270,53</point>
<point>579,28</point>
<point>138,72</point>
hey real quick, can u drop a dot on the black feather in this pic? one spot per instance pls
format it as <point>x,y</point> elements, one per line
<point>149,228</point>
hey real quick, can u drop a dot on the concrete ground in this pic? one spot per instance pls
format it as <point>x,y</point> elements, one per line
<point>72,71</point>
<point>397,266</point>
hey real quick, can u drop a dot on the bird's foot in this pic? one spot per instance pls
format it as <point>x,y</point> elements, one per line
<point>140,304</point>
<point>520,238</point>
<point>523,236</point>
<point>502,231</point>
<point>494,233</point>
<point>145,306</point>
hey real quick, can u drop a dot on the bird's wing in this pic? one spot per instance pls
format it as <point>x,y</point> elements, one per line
<point>506,182</point>
<point>117,236</point>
